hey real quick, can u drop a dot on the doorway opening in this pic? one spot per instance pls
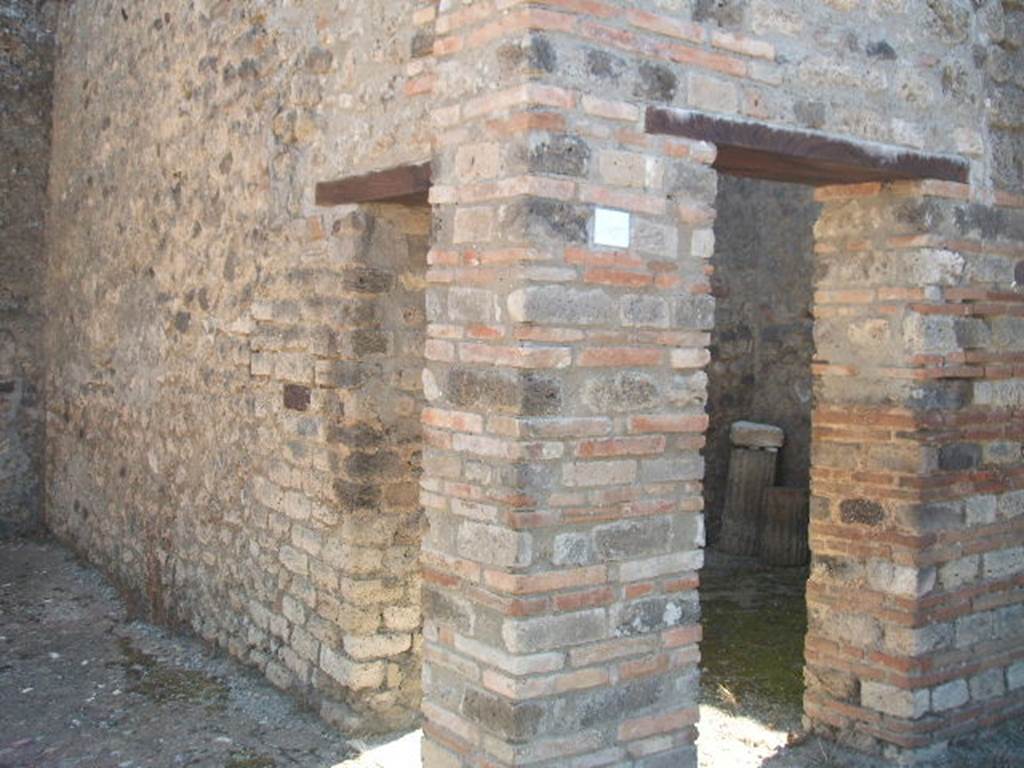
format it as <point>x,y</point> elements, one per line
<point>758,461</point>
<point>750,149</point>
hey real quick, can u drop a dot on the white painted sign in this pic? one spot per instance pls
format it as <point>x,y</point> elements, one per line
<point>611,228</point>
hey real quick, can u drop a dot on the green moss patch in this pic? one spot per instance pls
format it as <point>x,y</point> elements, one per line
<point>164,683</point>
<point>754,622</point>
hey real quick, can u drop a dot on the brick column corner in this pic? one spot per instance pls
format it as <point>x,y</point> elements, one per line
<point>564,420</point>
<point>915,604</point>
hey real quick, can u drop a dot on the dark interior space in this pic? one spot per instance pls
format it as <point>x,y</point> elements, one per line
<point>753,597</point>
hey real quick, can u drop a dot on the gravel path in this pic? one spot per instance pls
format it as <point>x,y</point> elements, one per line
<point>81,686</point>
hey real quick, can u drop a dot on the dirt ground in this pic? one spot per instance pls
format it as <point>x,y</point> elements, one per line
<point>81,686</point>
<point>754,620</point>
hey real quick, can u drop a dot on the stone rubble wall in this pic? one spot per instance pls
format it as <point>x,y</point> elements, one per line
<point>1003,62</point>
<point>26,73</point>
<point>904,72</point>
<point>234,373</point>
<point>337,343</point>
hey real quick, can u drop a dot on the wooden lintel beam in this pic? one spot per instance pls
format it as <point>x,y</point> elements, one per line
<point>759,150</point>
<point>402,184</point>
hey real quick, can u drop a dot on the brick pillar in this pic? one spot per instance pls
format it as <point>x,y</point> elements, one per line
<point>916,609</point>
<point>564,422</point>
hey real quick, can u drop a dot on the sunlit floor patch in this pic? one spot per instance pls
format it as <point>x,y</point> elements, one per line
<point>399,752</point>
<point>735,741</point>
<point>752,655</point>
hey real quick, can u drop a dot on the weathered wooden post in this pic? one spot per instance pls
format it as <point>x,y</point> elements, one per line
<point>751,470</point>
<point>783,539</point>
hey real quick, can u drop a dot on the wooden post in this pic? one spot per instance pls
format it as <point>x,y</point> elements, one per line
<point>783,538</point>
<point>751,470</point>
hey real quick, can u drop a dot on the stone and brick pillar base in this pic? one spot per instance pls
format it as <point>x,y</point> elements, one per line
<point>564,422</point>
<point>917,530</point>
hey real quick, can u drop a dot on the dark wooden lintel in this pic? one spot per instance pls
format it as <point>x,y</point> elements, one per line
<point>402,184</point>
<point>759,150</point>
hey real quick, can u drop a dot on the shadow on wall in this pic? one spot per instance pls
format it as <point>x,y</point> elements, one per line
<point>26,74</point>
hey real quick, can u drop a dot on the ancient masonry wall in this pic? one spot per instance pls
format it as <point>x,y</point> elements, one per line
<point>234,373</point>
<point>914,600</point>
<point>560,567</point>
<point>230,404</point>
<point>26,73</point>
<point>762,341</point>
<point>564,494</point>
<point>1003,62</point>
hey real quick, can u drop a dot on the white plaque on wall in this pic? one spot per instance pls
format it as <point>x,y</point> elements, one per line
<point>611,228</point>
